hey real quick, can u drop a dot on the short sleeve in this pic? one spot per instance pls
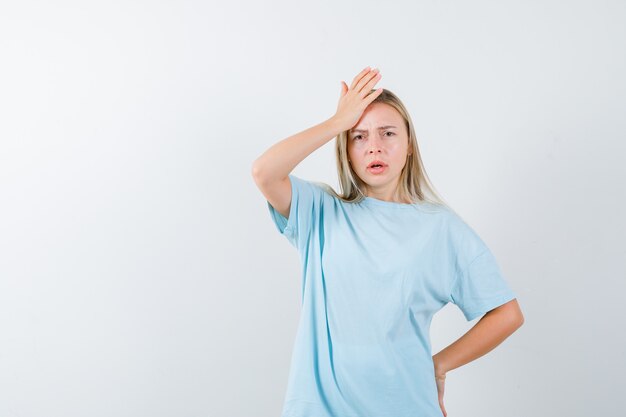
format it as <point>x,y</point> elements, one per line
<point>479,285</point>
<point>306,201</point>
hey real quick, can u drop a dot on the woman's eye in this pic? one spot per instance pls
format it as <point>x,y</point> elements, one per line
<point>391,133</point>
<point>357,136</point>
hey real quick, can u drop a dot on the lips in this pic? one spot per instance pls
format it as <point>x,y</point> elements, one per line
<point>377,167</point>
<point>376,162</point>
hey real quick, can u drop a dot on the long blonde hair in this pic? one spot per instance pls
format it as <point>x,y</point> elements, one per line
<point>414,184</point>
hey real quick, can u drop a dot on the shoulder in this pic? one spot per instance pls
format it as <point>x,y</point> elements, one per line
<point>442,215</point>
<point>315,188</point>
<point>454,221</point>
<point>465,240</point>
<point>456,229</point>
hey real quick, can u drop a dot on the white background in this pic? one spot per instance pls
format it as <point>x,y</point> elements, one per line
<point>140,273</point>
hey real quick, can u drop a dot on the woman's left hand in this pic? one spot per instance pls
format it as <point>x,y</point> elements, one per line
<point>440,379</point>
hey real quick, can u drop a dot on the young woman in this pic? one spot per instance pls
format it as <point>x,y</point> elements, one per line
<point>378,261</point>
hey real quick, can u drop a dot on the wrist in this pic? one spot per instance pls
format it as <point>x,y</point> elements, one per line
<point>336,124</point>
<point>440,369</point>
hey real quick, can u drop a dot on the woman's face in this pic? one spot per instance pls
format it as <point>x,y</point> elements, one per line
<point>380,134</point>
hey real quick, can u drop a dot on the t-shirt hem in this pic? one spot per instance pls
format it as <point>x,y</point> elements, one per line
<point>490,305</point>
<point>286,226</point>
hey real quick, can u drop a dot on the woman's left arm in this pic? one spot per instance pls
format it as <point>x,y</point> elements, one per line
<point>491,330</point>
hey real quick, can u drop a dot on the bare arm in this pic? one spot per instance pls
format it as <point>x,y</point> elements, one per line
<point>271,170</point>
<point>276,163</point>
<point>491,330</point>
<point>280,159</point>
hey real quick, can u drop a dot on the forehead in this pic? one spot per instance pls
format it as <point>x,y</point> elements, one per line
<point>378,115</point>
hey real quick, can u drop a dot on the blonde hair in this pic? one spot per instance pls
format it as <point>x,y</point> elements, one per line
<point>414,184</point>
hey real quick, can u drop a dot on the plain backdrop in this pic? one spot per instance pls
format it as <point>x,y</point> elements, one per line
<point>140,272</point>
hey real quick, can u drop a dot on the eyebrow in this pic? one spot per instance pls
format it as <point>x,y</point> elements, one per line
<point>380,128</point>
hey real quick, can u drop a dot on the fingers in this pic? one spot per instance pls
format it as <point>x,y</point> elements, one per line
<point>367,82</point>
<point>370,85</point>
<point>358,77</point>
<point>440,381</point>
<point>363,85</point>
<point>373,94</point>
<point>344,89</point>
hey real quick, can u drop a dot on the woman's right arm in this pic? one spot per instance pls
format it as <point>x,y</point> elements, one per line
<point>280,159</point>
<point>271,170</point>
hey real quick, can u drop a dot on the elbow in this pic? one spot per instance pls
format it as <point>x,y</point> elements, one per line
<point>514,313</point>
<point>509,313</point>
<point>255,171</point>
<point>518,316</point>
<point>516,320</point>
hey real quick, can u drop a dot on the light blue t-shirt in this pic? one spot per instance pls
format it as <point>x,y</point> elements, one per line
<point>373,275</point>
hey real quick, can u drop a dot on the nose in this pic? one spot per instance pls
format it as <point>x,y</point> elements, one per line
<point>375,144</point>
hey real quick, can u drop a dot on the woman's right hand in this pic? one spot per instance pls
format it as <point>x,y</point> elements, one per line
<point>354,100</point>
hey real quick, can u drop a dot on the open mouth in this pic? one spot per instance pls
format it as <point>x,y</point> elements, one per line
<point>377,168</point>
<point>377,164</point>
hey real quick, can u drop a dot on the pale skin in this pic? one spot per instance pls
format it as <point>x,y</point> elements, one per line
<point>377,131</point>
<point>379,135</point>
